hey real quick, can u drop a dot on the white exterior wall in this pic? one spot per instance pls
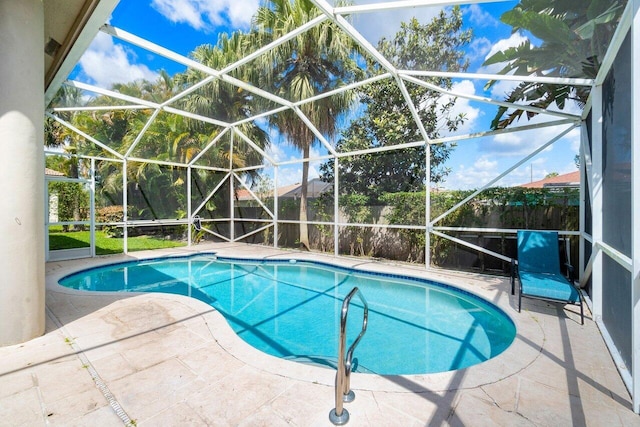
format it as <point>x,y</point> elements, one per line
<point>22,289</point>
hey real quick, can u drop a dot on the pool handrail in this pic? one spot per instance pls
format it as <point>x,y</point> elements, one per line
<point>343,392</point>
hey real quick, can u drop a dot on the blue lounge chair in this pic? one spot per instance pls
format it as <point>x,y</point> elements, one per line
<point>538,270</point>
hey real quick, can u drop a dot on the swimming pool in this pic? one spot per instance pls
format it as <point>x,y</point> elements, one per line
<point>291,309</point>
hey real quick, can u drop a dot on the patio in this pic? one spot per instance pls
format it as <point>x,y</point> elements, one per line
<point>159,359</point>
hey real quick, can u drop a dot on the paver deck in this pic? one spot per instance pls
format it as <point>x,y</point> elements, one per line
<point>169,360</point>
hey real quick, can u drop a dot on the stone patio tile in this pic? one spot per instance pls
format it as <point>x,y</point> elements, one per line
<point>15,382</point>
<point>179,414</point>
<point>62,378</point>
<point>88,325</point>
<point>265,416</point>
<point>61,305</point>
<point>210,362</point>
<point>598,414</point>
<point>427,407</point>
<point>84,305</point>
<point>474,408</point>
<point>198,325</point>
<point>147,392</point>
<point>297,402</point>
<point>547,406</point>
<point>504,393</point>
<point>162,348</point>
<point>628,418</point>
<point>368,410</point>
<point>112,367</point>
<point>101,344</point>
<point>21,409</point>
<point>103,417</point>
<point>76,407</point>
<point>237,396</point>
<point>37,351</point>
<point>551,373</point>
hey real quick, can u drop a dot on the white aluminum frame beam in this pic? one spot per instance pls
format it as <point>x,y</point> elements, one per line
<point>635,207</point>
<point>488,100</point>
<point>403,4</point>
<point>498,77</point>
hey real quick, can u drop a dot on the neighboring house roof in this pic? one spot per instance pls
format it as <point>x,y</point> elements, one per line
<point>51,172</point>
<point>571,180</point>
<point>315,187</point>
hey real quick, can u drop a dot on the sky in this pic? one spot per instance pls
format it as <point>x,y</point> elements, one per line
<point>181,25</point>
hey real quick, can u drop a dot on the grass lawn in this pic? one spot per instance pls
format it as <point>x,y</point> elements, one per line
<point>106,245</point>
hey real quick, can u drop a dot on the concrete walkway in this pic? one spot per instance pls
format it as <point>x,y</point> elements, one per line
<point>168,360</point>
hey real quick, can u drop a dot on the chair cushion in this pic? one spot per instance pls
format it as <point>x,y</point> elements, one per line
<point>546,285</point>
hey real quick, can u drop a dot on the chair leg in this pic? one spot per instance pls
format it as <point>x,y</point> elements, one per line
<point>520,299</point>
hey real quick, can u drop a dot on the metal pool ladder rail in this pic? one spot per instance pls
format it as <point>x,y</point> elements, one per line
<point>339,415</point>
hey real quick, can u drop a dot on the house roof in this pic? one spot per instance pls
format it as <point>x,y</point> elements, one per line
<point>243,194</point>
<point>315,187</point>
<point>571,179</point>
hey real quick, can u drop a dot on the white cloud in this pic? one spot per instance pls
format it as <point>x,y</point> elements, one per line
<point>373,26</point>
<point>106,63</point>
<point>502,88</point>
<point>525,142</point>
<point>486,168</point>
<point>479,48</point>
<point>275,150</point>
<point>479,18</point>
<point>280,151</point>
<point>516,39</point>
<point>463,106</point>
<point>467,177</point>
<point>205,14</point>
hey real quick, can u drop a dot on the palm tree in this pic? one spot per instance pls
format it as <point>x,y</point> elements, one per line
<point>225,102</point>
<point>316,61</point>
<point>221,100</point>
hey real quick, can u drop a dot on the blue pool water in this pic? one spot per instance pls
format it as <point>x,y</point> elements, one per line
<point>292,310</point>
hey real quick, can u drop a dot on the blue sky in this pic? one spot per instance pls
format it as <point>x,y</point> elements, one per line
<point>181,25</point>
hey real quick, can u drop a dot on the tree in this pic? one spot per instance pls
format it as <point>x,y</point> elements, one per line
<point>575,36</point>
<point>316,61</point>
<point>387,121</point>
<point>223,101</point>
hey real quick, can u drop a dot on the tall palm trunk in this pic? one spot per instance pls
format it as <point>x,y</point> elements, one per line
<point>304,227</point>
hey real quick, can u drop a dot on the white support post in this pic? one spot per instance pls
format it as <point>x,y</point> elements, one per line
<point>635,209</point>
<point>583,197</point>
<point>336,208</point>
<point>232,213</point>
<point>46,218</point>
<point>189,207</point>
<point>125,232</point>
<point>275,207</point>
<point>92,209</point>
<point>596,200</point>
<point>427,206</point>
